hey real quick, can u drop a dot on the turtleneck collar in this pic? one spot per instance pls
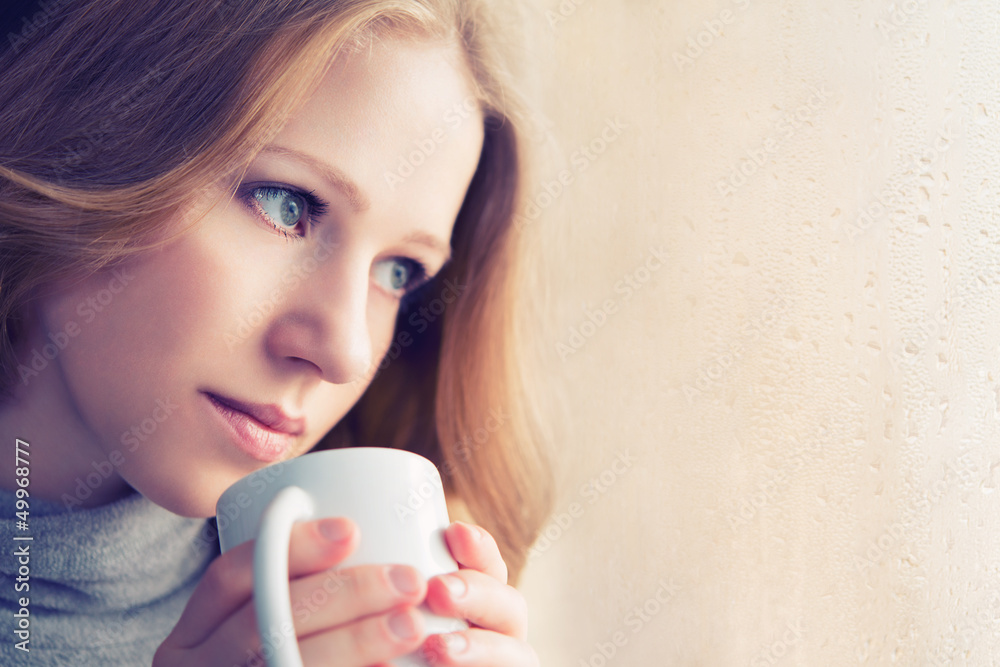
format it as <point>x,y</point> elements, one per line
<point>130,563</point>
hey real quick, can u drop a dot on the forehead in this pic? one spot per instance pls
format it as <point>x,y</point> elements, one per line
<point>400,118</point>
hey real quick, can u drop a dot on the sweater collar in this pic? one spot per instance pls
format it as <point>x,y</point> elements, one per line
<point>124,554</point>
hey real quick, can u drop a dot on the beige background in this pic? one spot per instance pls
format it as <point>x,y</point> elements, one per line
<point>809,399</point>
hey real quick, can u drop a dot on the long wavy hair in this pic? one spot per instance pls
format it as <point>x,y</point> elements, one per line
<point>114,112</point>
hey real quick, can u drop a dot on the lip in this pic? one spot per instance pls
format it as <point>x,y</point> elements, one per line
<point>264,432</point>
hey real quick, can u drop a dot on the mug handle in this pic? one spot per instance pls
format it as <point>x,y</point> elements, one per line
<point>272,600</point>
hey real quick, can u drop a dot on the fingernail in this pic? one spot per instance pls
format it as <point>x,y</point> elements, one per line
<point>403,625</point>
<point>455,643</point>
<point>404,579</point>
<point>456,586</point>
<point>472,529</point>
<point>335,530</point>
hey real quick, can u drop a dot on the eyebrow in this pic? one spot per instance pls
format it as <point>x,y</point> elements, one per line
<point>431,241</point>
<point>337,178</point>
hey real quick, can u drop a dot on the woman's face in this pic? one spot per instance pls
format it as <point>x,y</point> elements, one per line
<point>245,340</point>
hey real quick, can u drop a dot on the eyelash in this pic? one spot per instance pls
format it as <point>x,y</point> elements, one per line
<point>316,208</point>
<point>418,278</point>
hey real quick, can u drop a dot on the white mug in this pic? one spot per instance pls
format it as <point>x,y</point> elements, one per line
<point>394,496</point>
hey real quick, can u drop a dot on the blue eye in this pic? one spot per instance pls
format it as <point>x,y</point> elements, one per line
<point>399,275</point>
<point>285,209</point>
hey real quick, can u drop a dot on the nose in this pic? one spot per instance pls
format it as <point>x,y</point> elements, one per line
<point>323,320</point>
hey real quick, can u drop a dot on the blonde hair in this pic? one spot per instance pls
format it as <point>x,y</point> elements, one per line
<point>121,110</point>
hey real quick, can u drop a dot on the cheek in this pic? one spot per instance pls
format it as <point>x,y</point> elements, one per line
<point>147,330</point>
<point>382,325</point>
<point>386,348</point>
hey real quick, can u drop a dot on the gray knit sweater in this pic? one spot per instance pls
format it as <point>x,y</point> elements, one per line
<point>104,586</point>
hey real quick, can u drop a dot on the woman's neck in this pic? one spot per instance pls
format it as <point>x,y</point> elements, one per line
<point>63,460</point>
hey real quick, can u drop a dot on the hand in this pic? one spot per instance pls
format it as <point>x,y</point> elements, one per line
<point>363,615</point>
<point>478,593</point>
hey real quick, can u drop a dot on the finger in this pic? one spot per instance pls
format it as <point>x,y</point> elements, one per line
<point>481,648</point>
<point>481,600</point>
<point>335,597</point>
<point>473,547</point>
<point>228,582</point>
<point>369,641</point>
<point>330,599</point>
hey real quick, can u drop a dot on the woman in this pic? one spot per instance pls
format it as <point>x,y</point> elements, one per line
<point>295,212</point>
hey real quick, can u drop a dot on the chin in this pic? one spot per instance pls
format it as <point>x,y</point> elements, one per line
<point>180,499</point>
